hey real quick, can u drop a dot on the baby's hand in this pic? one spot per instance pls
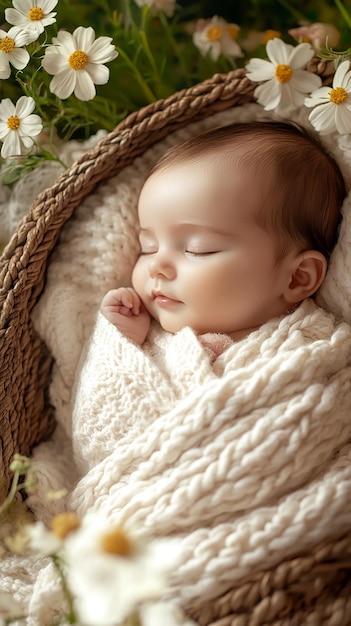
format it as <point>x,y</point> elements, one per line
<point>124,309</point>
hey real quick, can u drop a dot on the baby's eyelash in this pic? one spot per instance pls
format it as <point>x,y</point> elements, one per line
<point>200,253</point>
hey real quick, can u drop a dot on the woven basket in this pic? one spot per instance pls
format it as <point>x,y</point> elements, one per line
<point>311,589</point>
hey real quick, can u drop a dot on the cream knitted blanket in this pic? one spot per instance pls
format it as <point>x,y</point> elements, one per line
<point>246,460</point>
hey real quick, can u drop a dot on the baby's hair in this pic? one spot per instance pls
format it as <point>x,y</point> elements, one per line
<point>303,206</point>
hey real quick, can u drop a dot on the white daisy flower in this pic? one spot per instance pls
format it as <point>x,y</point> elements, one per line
<point>284,81</point>
<point>47,541</point>
<point>109,572</point>
<point>332,104</point>
<point>11,50</point>
<point>76,61</point>
<point>18,126</point>
<point>42,541</point>
<point>31,14</point>
<point>165,6</point>
<point>215,37</point>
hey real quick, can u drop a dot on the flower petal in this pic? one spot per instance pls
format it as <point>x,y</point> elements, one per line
<point>259,70</point>
<point>48,19</point>
<point>11,145</point>
<point>84,37</point>
<point>14,17</point>
<point>54,63</point>
<point>289,98</point>
<point>63,84</point>
<point>268,94</point>
<point>20,36</point>
<point>278,52</point>
<point>300,56</point>
<point>342,120</point>
<point>230,48</point>
<point>319,96</point>
<point>4,129</point>
<point>304,81</point>
<point>7,108</point>
<point>26,140</point>
<point>85,89</point>
<point>47,5</point>
<point>5,69</point>
<point>99,74</point>
<point>322,118</point>
<point>24,106</point>
<point>102,51</point>
<point>64,40</point>
<point>19,58</point>
<point>340,74</point>
<point>32,125</point>
<point>23,6</point>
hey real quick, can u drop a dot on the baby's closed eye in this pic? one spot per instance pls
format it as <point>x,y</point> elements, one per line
<point>200,253</point>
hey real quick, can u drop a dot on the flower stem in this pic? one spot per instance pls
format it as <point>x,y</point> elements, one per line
<point>149,55</point>
<point>71,616</point>
<point>176,48</point>
<point>346,16</point>
<point>11,495</point>
<point>146,89</point>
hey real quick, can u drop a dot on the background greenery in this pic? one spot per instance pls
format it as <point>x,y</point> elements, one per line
<point>156,54</point>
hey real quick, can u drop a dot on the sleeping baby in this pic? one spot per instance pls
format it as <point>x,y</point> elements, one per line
<point>236,228</point>
<point>230,427</point>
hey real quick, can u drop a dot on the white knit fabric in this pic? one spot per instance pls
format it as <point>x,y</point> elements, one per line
<point>239,458</point>
<point>245,460</point>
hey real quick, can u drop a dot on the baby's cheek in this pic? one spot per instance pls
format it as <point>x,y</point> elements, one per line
<point>137,277</point>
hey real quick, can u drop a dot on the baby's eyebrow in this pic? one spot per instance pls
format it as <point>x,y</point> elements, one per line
<point>189,227</point>
<point>193,226</point>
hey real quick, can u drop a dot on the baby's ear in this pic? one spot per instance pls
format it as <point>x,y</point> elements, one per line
<point>307,274</point>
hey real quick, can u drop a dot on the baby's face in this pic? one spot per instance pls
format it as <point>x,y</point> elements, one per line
<point>205,263</point>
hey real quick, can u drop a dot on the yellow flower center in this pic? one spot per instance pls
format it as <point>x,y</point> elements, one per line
<point>13,122</point>
<point>233,31</point>
<point>214,33</point>
<point>62,525</point>
<point>116,542</point>
<point>338,95</point>
<point>78,59</point>
<point>283,73</point>
<point>35,14</point>
<point>270,34</point>
<point>7,44</point>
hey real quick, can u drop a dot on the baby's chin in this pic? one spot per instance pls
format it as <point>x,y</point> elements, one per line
<point>174,326</point>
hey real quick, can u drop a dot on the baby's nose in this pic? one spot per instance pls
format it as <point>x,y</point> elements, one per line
<point>160,265</point>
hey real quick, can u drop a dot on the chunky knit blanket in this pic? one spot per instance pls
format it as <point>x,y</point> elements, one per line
<point>245,459</point>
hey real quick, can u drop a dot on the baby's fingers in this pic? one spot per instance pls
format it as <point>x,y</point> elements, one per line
<point>131,301</point>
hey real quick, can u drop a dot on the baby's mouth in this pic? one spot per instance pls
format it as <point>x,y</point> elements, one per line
<point>162,300</point>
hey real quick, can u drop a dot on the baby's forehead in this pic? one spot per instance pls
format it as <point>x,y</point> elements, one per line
<point>217,171</point>
<point>208,187</point>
